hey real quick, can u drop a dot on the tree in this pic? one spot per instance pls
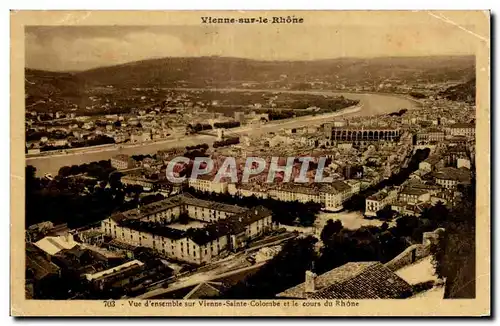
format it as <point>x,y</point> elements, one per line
<point>455,250</point>
<point>64,171</point>
<point>330,229</point>
<point>30,174</point>
<point>385,214</point>
<point>184,218</point>
<point>438,212</point>
<point>285,270</point>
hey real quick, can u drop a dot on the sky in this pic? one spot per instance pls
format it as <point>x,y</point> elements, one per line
<point>73,48</point>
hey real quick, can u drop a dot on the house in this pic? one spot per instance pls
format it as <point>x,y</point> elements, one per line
<point>431,135</point>
<point>267,253</point>
<point>41,273</point>
<point>105,277</point>
<point>53,245</point>
<point>122,162</point>
<point>147,184</point>
<point>379,201</point>
<point>432,163</point>
<point>354,280</point>
<point>463,162</point>
<point>140,137</point>
<point>121,137</point>
<point>462,129</point>
<point>450,177</point>
<point>414,195</point>
<point>207,183</point>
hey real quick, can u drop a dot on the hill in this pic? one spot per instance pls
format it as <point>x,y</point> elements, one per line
<point>217,70</point>
<point>227,72</point>
<point>41,85</point>
<point>465,92</point>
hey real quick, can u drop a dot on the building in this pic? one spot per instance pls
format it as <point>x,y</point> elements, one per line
<point>295,192</point>
<point>225,227</point>
<point>53,245</point>
<point>238,116</point>
<point>327,129</point>
<point>207,183</point>
<point>41,273</point>
<point>379,201</point>
<point>121,137</point>
<point>431,135</point>
<point>354,280</point>
<point>140,137</point>
<point>147,184</point>
<point>363,134</point>
<point>414,195</point>
<point>462,129</point>
<point>248,190</point>
<point>450,177</point>
<point>122,162</point>
<point>330,195</point>
<point>103,278</point>
<point>267,253</point>
<point>463,163</point>
<point>432,163</point>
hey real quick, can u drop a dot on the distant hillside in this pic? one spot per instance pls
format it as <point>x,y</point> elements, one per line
<point>465,92</point>
<point>41,84</point>
<point>223,72</point>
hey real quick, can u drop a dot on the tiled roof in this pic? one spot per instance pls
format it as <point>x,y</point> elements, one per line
<point>233,225</point>
<point>179,200</point>
<point>413,191</point>
<point>355,280</point>
<point>121,245</point>
<point>375,281</point>
<point>154,228</point>
<point>38,264</point>
<point>205,290</point>
<point>463,125</point>
<point>335,275</point>
<point>451,173</point>
<point>121,157</point>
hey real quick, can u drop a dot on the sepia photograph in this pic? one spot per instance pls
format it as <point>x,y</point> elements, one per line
<point>250,163</point>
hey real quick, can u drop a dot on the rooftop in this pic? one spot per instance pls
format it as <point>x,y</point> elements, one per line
<point>322,281</point>
<point>114,270</point>
<point>451,173</point>
<point>171,202</point>
<point>413,191</point>
<point>365,280</point>
<point>463,125</point>
<point>38,264</point>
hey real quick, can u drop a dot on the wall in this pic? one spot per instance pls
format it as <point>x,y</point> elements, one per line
<point>414,252</point>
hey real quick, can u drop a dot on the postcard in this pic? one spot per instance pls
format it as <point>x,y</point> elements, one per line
<point>250,163</point>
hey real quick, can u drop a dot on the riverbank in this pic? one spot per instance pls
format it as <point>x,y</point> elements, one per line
<point>370,104</point>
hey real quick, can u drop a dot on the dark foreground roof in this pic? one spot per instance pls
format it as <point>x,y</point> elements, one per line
<point>355,280</point>
<point>375,281</point>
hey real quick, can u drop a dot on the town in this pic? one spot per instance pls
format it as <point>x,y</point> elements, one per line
<point>121,228</point>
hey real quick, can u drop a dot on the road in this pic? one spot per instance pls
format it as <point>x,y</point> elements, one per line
<point>370,104</point>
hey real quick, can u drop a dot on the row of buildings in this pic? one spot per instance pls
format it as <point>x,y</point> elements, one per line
<point>414,195</point>
<point>224,227</point>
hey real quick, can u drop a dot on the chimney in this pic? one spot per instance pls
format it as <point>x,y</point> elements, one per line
<point>310,283</point>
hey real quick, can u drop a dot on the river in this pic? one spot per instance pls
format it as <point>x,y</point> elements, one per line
<point>370,104</point>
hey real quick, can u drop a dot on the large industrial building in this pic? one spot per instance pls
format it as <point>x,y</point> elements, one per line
<point>216,227</point>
